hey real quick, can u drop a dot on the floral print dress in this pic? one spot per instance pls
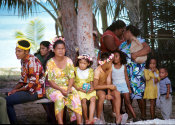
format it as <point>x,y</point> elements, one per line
<point>135,72</point>
<point>82,77</point>
<point>61,78</point>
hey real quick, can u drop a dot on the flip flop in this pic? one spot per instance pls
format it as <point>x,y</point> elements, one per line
<point>124,118</point>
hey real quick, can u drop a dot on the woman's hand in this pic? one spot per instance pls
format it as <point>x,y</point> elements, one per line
<point>64,92</point>
<point>69,91</point>
<point>134,56</point>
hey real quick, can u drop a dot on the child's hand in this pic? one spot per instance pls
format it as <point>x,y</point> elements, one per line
<point>90,90</point>
<point>153,69</point>
<point>109,97</point>
<point>82,90</point>
<point>112,87</point>
<point>78,88</point>
<point>156,80</point>
<point>129,90</point>
<point>167,96</point>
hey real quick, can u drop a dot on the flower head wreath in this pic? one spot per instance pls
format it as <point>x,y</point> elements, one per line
<point>54,40</point>
<point>106,60</point>
<point>85,56</point>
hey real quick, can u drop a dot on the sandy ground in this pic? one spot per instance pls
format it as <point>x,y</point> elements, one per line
<point>32,113</point>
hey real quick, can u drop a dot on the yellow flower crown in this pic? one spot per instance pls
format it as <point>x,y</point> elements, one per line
<point>22,47</point>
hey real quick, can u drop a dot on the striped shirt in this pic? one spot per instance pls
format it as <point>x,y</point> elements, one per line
<point>163,87</point>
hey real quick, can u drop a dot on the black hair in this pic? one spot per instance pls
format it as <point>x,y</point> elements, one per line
<point>122,57</point>
<point>148,62</point>
<point>87,60</point>
<point>163,67</point>
<point>24,43</point>
<point>116,25</point>
<point>134,30</point>
<point>52,54</point>
<point>44,43</point>
<point>104,56</point>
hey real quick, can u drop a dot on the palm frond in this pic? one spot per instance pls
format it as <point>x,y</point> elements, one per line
<point>34,33</point>
<point>24,7</point>
<point>19,35</point>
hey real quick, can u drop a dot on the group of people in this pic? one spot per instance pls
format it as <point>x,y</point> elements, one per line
<point>117,76</point>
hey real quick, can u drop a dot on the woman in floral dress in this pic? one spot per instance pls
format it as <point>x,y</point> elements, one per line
<point>60,71</point>
<point>135,70</point>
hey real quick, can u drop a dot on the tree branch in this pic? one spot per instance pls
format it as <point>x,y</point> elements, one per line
<point>51,3</point>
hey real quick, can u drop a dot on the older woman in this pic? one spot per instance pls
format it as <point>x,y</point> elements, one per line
<point>60,71</point>
<point>135,70</point>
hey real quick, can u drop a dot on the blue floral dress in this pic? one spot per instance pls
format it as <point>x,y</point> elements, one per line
<point>135,73</point>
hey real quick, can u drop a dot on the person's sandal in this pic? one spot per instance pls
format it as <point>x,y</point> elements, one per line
<point>124,118</point>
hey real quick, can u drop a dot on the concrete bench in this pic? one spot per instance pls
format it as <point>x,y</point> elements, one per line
<point>43,101</point>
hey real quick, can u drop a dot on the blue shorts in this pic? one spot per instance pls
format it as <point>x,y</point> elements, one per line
<point>122,87</point>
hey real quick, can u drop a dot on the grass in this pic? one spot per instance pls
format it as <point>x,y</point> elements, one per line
<point>8,74</point>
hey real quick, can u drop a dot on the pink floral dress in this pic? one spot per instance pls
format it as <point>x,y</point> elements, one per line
<point>61,78</point>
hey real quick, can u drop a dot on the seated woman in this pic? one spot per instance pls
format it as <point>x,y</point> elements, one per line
<point>31,84</point>
<point>60,71</point>
<point>43,51</point>
<point>42,54</point>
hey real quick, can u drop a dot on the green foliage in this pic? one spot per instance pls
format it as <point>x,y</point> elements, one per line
<point>34,33</point>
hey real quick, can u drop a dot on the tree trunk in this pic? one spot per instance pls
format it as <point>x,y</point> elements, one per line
<point>152,26</point>
<point>84,29</point>
<point>69,23</point>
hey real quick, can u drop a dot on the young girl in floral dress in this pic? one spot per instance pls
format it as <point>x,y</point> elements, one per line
<point>84,84</point>
<point>60,71</point>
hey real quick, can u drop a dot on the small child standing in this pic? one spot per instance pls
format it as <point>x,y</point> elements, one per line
<point>120,79</point>
<point>84,84</point>
<point>165,94</point>
<point>152,78</point>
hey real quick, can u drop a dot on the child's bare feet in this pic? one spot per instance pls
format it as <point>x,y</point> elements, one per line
<point>119,119</point>
<point>87,122</point>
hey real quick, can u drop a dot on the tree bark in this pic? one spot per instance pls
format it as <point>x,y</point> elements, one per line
<point>69,23</point>
<point>152,25</point>
<point>84,30</point>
